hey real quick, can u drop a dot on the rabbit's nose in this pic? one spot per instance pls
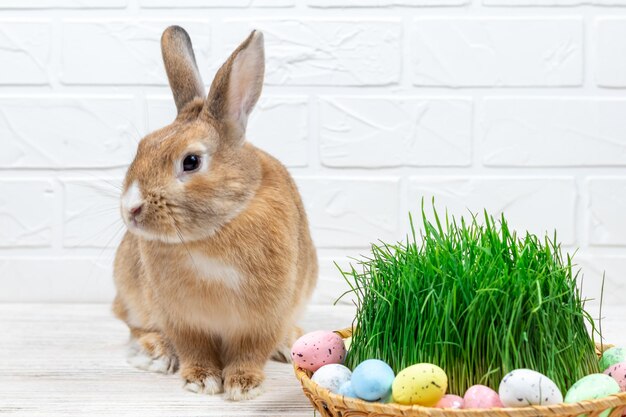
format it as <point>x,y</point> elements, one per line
<point>132,200</point>
<point>136,210</point>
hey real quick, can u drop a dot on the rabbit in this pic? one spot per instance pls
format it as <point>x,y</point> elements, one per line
<point>217,262</point>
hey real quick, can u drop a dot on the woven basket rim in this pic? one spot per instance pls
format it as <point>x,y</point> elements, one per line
<point>571,409</point>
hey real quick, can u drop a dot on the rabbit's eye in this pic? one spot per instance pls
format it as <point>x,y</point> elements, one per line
<point>191,163</point>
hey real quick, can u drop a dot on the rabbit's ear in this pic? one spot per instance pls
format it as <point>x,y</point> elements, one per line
<point>180,65</point>
<point>237,85</point>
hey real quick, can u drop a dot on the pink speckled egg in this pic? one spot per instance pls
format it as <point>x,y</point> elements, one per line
<point>316,349</point>
<point>450,401</point>
<point>618,373</point>
<point>480,396</point>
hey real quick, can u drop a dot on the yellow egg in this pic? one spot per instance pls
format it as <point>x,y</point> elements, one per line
<point>424,384</point>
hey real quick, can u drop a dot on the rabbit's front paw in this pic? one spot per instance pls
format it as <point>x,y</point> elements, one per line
<point>202,380</point>
<point>151,352</point>
<point>243,385</point>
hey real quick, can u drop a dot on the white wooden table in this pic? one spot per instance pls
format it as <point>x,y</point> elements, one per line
<point>69,360</point>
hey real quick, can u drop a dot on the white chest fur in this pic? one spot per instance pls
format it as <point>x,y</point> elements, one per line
<point>214,270</point>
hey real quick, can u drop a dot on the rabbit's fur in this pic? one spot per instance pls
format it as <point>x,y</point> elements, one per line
<point>216,263</point>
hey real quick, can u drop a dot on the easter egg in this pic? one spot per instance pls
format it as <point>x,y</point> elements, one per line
<point>331,376</point>
<point>523,387</point>
<point>450,401</point>
<point>592,387</point>
<point>480,396</point>
<point>316,349</point>
<point>618,373</point>
<point>346,390</point>
<point>611,357</point>
<point>422,384</point>
<point>372,379</point>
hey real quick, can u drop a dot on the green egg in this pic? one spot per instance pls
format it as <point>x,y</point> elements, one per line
<point>612,356</point>
<point>592,387</point>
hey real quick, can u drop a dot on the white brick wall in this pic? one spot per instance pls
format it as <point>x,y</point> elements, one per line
<point>510,105</point>
<point>325,51</point>
<point>63,132</point>
<point>497,52</point>
<point>379,131</point>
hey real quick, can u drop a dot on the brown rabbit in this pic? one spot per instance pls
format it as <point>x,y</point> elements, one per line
<point>218,260</point>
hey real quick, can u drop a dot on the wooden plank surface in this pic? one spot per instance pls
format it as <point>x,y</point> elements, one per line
<point>69,360</point>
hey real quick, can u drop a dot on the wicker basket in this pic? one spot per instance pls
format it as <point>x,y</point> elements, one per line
<point>333,405</point>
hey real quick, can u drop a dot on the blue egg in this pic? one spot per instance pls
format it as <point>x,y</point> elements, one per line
<point>346,390</point>
<point>372,379</point>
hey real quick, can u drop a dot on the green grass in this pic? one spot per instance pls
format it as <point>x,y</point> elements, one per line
<point>475,299</point>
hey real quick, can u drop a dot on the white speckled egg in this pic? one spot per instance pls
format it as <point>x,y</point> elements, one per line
<point>523,387</point>
<point>332,376</point>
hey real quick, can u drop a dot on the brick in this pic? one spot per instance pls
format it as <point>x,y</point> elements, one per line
<point>497,52</point>
<point>351,212</point>
<point>123,51</point>
<point>610,52</point>
<point>605,211</point>
<point>25,48</point>
<point>56,279</point>
<point>384,3</point>
<point>215,3</point>
<point>536,204</point>
<point>376,132</point>
<point>278,125</point>
<point>62,4</point>
<point>26,213</point>
<point>68,132</point>
<point>324,51</point>
<point>582,131</point>
<point>91,217</point>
